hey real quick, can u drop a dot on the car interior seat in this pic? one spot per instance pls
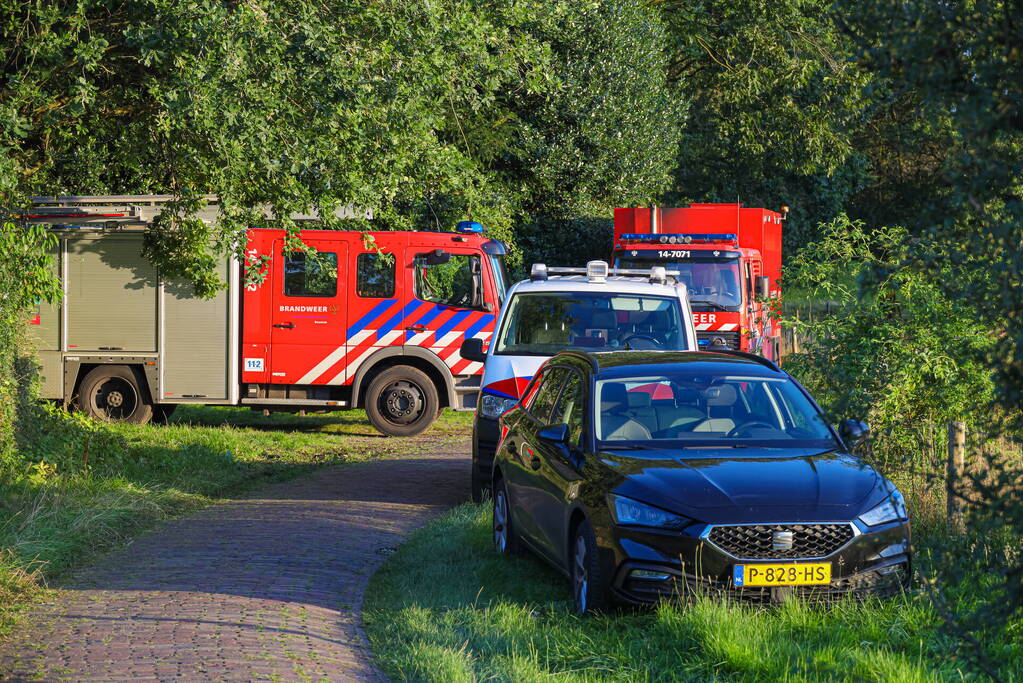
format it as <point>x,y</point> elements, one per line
<point>684,409</point>
<point>721,401</point>
<point>641,409</point>
<point>607,323</point>
<point>616,423</point>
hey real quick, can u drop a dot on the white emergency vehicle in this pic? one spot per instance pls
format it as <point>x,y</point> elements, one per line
<point>596,308</point>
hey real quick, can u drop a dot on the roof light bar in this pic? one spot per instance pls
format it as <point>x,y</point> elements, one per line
<point>470,227</point>
<point>680,238</point>
<point>599,271</point>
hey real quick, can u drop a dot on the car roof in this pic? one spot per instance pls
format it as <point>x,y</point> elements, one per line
<point>613,364</point>
<point>614,283</point>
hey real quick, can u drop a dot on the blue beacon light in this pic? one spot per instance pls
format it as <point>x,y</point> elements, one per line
<point>470,227</point>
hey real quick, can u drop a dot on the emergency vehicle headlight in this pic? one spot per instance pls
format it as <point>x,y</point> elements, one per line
<point>469,227</point>
<point>596,270</point>
<point>664,239</point>
<point>673,240</point>
<point>538,272</point>
<point>687,239</point>
<point>494,407</point>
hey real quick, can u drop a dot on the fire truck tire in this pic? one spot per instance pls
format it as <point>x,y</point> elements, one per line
<point>402,401</point>
<point>115,393</point>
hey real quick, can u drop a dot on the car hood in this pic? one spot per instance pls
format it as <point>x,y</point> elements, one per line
<point>719,485</point>
<point>507,376</point>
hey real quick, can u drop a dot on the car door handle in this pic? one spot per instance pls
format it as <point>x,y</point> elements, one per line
<point>286,326</point>
<point>416,328</point>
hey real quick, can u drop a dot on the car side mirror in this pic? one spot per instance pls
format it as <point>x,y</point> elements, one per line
<point>555,433</point>
<point>472,349</point>
<point>853,432</point>
<point>763,287</point>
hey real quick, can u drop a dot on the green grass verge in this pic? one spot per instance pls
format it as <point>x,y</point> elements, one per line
<point>446,608</point>
<point>77,488</point>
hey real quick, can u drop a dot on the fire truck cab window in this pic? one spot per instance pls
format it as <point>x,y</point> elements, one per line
<point>375,275</point>
<point>449,279</point>
<point>310,274</point>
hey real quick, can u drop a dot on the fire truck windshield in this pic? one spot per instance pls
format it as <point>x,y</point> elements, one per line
<point>541,324</point>
<point>500,277</point>
<point>709,280</point>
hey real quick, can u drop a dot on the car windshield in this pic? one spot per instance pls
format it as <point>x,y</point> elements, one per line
<point>701,409</point>
<point>711,280</point>
<point>541,324</point>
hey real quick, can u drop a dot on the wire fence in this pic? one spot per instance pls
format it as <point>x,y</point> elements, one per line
<point>937,464</point>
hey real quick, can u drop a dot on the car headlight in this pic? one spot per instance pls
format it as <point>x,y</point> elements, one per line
<point>892,509</point>
<point>629,511</point>
<point>495,406</point>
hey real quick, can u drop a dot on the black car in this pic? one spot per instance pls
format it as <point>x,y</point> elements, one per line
<point>651,475</point>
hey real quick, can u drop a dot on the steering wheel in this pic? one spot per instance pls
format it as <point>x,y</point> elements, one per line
<point>658,344</point>
<point>734,431</point>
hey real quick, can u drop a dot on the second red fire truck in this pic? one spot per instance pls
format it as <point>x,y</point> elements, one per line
<point>728,256</point>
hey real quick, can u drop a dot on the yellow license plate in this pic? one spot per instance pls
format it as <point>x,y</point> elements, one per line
<point>803,574</point>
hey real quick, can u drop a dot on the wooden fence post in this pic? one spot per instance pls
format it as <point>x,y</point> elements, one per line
<point>956,465</point>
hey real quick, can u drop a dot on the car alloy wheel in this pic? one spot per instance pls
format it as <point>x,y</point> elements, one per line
<point>589,587</point>
<point>505,541</point>
<point>580,581</point>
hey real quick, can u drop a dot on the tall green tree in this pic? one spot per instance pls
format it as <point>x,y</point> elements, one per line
<point>963,63</point>
<point>776,102</point>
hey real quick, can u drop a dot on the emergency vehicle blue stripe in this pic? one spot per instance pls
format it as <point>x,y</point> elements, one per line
<point>427,317</point>
<point>478,325</point>
<point>451,323</point>
<point>430,315</point>
<point>397,318</point>
<point>371,316</point>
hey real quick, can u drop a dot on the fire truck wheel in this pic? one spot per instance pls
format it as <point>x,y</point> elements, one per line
<point>402,401</point>
<point>114,393</point>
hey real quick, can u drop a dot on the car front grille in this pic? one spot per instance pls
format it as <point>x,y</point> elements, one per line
<point>706,340</point>
<point>756,541</point>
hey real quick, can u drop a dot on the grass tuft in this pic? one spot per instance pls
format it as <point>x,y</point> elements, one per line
<point>511,619</point>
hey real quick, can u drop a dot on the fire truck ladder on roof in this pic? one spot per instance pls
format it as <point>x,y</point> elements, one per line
<point>140,210</point>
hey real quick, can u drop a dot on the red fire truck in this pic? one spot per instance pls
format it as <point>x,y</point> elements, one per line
<point>368,320</point>
<point>729,257</point>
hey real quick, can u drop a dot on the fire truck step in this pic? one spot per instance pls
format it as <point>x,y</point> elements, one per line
<point>292,402</point>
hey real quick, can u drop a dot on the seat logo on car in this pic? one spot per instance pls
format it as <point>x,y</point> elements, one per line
<point>781,540</point>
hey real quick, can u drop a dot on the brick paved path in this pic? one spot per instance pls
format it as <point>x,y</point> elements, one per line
<point>263,588</point>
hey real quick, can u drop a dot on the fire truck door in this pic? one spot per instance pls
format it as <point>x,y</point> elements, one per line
<point>307,336</point>
<point>455,299</point>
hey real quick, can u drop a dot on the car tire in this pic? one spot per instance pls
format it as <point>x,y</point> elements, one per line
<point>115,393</point>
<point>402,401</point>
<point>589,585</point>
<point>506,541</point>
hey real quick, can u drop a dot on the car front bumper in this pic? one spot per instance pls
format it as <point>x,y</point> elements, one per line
<point>675,565</point>
<point>485,434</point>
